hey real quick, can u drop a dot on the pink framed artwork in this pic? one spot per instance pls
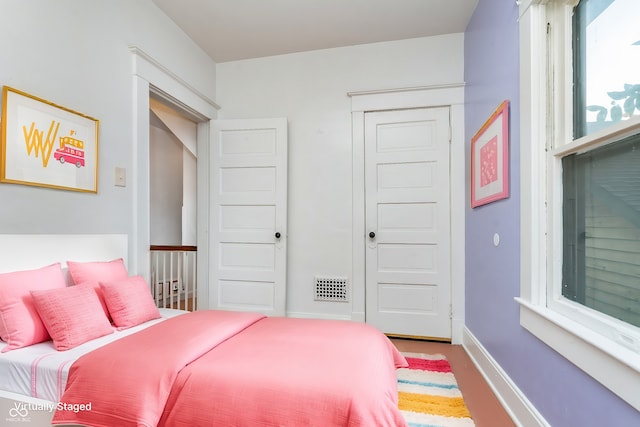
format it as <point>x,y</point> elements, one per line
<point>490,159</point>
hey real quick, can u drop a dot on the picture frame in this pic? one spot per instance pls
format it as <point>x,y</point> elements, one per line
<point>47,145</point>
<point>490,159</point>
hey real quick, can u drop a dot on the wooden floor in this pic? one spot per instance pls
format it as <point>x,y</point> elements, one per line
<point>179,304</point>
<point>483,405</point>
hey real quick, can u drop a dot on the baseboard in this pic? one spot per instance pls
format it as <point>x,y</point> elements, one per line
<point>358,316</point>
<point>521,410</point>
<point>457,329</point>
<point>304,315</point>
<point>457,325</point>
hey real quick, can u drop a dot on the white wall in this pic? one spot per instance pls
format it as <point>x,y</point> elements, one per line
<point>310,89</point>
<point>165,179</point>
<point>76,53</point>
<point>172,176</point>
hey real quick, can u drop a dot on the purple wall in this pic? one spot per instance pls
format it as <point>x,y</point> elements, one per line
<point>563,393</point>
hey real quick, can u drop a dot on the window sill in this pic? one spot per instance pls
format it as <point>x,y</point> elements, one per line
<point>613,365</point>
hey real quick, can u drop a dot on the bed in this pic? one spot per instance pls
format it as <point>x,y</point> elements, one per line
<point>209,367</point>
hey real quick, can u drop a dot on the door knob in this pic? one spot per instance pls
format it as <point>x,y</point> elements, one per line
<point>372,235</point>
<point>278,234</point>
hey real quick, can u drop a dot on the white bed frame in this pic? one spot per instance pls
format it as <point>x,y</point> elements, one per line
<point>30,251</point>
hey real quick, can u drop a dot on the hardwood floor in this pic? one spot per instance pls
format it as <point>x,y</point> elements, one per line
<point>180,304</point>
<point>483,405</point>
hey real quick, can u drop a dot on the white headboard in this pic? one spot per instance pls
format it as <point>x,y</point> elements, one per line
<point>29,251</point>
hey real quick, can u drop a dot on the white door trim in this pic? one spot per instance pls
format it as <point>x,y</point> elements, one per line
<point>451,95</point>
<point>151,76</point>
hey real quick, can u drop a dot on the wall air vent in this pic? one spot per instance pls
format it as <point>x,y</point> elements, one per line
<point>331,289</point>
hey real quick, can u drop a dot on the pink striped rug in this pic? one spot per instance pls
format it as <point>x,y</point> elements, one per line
<point>428,394</point>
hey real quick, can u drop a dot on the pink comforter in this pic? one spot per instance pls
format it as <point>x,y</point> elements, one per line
<point>239,369</point>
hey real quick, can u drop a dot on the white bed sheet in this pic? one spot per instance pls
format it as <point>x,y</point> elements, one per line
<point>40,371</point>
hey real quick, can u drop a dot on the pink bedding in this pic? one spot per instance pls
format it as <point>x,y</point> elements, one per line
<point>239,369</point>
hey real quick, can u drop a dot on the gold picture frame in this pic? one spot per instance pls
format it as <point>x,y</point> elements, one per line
<point>47,145</point>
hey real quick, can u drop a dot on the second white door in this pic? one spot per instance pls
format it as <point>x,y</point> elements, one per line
<point>249,215</point>
<point>408,290</point>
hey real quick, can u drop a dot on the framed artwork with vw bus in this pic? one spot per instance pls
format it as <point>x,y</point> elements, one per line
<point>46,145</point>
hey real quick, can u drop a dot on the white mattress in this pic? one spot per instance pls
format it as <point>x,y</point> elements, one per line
<point>41,371</point>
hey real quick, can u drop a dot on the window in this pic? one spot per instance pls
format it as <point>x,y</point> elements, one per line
<point>606,60</point>
<point>601,182</point>
<point>601,186</point>
<point>580,168</point>
<point>601,229</point>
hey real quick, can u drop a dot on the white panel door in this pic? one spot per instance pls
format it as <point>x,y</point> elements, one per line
<point>408,290</point>
<point>249,215</point>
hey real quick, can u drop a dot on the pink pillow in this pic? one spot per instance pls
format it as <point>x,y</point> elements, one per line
<point>20,324</point>
<point>99,271</point>
<point>72,315</point>
<point>95,285</point>
<point>95,272</point>
<point>129,301</point>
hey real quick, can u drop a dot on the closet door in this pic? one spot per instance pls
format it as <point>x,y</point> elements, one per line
<point>408,277</point>
<point>248,232</point>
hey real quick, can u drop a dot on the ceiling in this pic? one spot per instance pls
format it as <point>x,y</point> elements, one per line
<point>229,30</point>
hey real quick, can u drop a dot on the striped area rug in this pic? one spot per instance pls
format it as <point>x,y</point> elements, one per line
<point>428,394</point>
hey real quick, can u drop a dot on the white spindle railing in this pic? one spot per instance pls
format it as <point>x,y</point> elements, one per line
<point>173,276</point>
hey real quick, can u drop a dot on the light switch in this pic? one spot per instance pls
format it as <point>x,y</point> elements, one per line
<point>121,177</point>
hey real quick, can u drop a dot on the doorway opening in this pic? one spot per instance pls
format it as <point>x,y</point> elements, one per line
<point>153,81</point>
<point>173,162</point>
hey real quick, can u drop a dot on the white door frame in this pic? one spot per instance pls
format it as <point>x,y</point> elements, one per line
<point>395,99</point>
<point>150,76</point>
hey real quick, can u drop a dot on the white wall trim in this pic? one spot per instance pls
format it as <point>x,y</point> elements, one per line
<point>139,261</point>
<point>457,170</point>
<point>514,401</point>
<point>145,66</point>
<point>405,89</point>
<point>358,223</point>
<point>610,363</point>
<point>149,76</point>
<point>416,97</point>
<point>452,96</point>
<point>324,316</point>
